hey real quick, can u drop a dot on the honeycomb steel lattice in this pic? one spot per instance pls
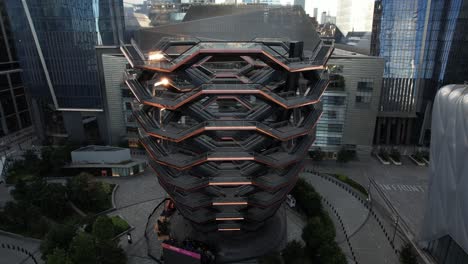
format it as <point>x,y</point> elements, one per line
<point>227,124</point>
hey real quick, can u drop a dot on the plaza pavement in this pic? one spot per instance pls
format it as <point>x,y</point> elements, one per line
<point>367,239</point>
<point>135,199</point>
<point>404,186</point>
<point>13,256</point>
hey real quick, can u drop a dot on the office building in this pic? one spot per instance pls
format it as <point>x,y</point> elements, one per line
<point>350,102</point>
<point>120,122</point>
<point>55,42</point>
<point>327,19</point>
<point>421,54</point>
<point>227,124</point>
<point>300,3</point>
<point>444,233</point>
<point>354,15</point>
<point>15,118</point>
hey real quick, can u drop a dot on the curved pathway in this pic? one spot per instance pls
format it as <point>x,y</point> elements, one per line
<point>135,199</point>
<point>368,241</point>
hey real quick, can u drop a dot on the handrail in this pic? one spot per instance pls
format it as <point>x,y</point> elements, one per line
<point>179,99</point>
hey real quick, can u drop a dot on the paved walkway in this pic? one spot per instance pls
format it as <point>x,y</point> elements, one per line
<point>295,223</point>
<point>368,241</point>
<point>135,198</point>
<point>400,184</point>
<point>14,256</point>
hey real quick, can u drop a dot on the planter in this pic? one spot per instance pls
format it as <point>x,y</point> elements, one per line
<point>419,163</point>
<point>384,162</point>
<point>426,160</point>
<point>398,163</point>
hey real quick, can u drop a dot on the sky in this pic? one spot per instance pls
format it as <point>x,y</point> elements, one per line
<point>328,6</point>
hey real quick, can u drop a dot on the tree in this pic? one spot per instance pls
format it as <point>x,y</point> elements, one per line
<point>78,189</point>
<point>88,194</point>
<point>58,256</point>
<point>103,228</point>
<point>317,154</point>
<point>317,232</point>
<point>272,258</point>
<point>50,198</point>
<point>23,218</point>
<point>307,198</point>
<point>110,253</point>
<point>30,158</point>
<point>83,249</point>
<point>345,155</point>
<point>59,237</point>
<point>294,253</point>
<point>331,253</point>
<point>53,200</point>
<point>21,192</point>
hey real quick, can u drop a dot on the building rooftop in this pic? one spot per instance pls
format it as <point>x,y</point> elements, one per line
<point>230,24</point>
<point>340,53</point>
<point>99,148</point>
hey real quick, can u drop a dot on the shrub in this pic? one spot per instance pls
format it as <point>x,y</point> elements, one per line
<point>120,225</point>
<point>89,195</point>
<point>294,253</point>
<point>317,154</point>
<point>103,228</point>
<point>345,155</point>
<point>351,183</point>
<point>395,155</point>
<point>418,156</point>
<point>384,154</point>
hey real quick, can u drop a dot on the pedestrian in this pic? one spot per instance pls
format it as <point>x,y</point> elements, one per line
<point>129,238</point>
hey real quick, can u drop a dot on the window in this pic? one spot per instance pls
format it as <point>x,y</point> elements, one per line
<point>365,99</point>
<point>333,100</point>
<point>365,86</point>
<point>335,128</point>
<point>330,114</point>
<point>128,106</point>
<point>333,141</point>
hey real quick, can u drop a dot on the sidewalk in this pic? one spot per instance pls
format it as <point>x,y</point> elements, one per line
<point>18,249</point>
<point>135,199</point>
<point>369,243</point>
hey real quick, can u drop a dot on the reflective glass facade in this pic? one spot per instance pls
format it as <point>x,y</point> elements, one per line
<point>67,33</point>
<point>423,44</point>
<point>14,107</point>
<point>414,38</point>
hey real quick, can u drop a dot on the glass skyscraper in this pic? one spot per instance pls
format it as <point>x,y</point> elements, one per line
<point>56,44</point>
<point>418,40</point>
<point>15,119</point>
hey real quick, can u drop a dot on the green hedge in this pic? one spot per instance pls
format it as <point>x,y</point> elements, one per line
<point>120,225</point>
<point>351,183</point>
